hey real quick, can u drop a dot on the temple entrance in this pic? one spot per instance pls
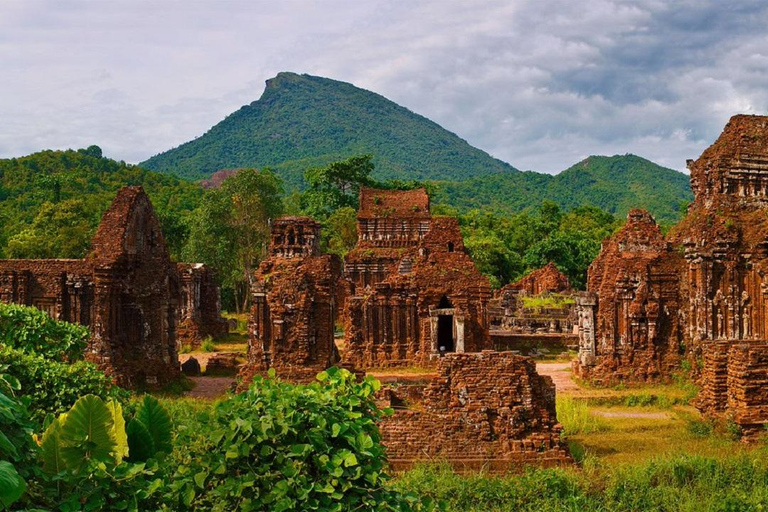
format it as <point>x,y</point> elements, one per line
<point>445,342</point>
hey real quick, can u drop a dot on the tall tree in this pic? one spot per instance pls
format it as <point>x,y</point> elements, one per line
<point>336,186</point>
<point>230,229</point>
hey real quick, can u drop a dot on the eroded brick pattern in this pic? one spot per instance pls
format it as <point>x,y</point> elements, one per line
<point>127,291</point>
<point>293,305</point>
<point>515,325</point>
<point>484,410</point>
<point>416,292</point>
<point>735,385</point>
<point>634,306</point>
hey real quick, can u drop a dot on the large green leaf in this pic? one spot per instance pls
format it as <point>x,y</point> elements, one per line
<point>50,447</point>
<point>140,442</point>
<point>12,486</point>
<point>158,423</point>
<point>118,430</point>
<point>86,433</point>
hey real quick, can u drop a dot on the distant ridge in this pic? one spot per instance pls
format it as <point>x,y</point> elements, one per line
<point>303,121</point>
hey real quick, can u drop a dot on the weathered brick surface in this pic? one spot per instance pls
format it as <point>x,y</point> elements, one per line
<point>127,291</point>
<point>293,305</point>
<point>636,329</point>
<point>199,305</point>
<point>432,296</point>
<point>483,410</point>
<point>547,279</point>
<point>735,385</point>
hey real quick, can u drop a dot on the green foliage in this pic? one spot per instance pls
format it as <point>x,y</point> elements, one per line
<point>506,248</point>
<point>16,445</point>
<point>51,202</point>
<point>681,483</point>
<point>547,301</point>
<point>336,186</point>
<point>52,387</point>
<point>29,329</point>
<point>283,447</point>
<point>339,234</point>
<point>229,230</point>
<point>157,422</point>
<point>207,345</point>
<point>615,184</point>
<point>83,453</point>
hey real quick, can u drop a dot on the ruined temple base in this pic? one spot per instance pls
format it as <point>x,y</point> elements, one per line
<point>487,410</point>
<point>735,386</point>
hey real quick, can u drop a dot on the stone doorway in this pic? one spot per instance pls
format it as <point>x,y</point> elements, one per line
<point>445,341</point>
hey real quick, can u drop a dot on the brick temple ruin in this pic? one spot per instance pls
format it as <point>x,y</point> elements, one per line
<point>411,297</point>
<point>415,292</point>
<point>487,410</point>
<point>293,304</point>
<point>546,324</point>
<point>127,291</point>
<point>701,292</point>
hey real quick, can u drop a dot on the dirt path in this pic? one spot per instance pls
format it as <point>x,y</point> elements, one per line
<point>561,376</point>
<point>648,415</point>
<point>210,388</point>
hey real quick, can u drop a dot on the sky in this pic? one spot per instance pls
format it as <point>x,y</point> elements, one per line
<point>539,84</point>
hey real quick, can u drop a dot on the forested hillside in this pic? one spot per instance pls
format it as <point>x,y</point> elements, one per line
<point>303,121</point>
<point>51,202</point>
<point>615,184</point>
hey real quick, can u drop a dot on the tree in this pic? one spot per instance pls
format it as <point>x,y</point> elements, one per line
<point>336,186</point>
<point>60,230</point>
<point>340,231</point>
<point>230,229</point>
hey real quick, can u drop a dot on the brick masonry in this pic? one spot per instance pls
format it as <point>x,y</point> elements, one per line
<point>126,291</point>
<point>487,410</point>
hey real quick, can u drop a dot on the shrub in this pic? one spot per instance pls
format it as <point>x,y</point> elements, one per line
<point>85,453</point>
<point>283,447</point>
<point>53,387</point>
<point>32,330</point>
<point>16,445</point>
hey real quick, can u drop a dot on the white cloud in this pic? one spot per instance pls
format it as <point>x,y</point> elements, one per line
<point>538,84</point>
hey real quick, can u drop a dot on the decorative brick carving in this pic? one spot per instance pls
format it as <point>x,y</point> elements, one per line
<point>417,293</point>
<point>293,305</point>
<point>127,291</point>
<point>635,284</point>
<point>484,410</point>
<point>199,305</point>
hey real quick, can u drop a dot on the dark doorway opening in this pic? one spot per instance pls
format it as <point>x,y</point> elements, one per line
<point>444,303</point>
<point>445,341</point>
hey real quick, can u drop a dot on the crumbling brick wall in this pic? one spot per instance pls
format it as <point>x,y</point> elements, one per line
<point>434,297</point>
<point>469,419</point>
<point>199,305</point>
<point>735,385</point>
<point>635,282</point>
<point>291,323</point>
<point>126,291</point>
<point>547,279</point>
<point>136,290</point>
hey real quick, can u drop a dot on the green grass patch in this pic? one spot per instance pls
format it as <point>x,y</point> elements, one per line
<point>575,417</point>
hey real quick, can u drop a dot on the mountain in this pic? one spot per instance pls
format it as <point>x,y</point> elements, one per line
<point>304,121</point>
<point>614,183</point>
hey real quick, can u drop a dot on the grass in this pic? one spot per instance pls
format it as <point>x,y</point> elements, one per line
<point>686,482</point>
<point>575,417</point>
<point>547,301</point>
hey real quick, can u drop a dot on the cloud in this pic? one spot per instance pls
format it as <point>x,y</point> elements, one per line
<point>538,84</point>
